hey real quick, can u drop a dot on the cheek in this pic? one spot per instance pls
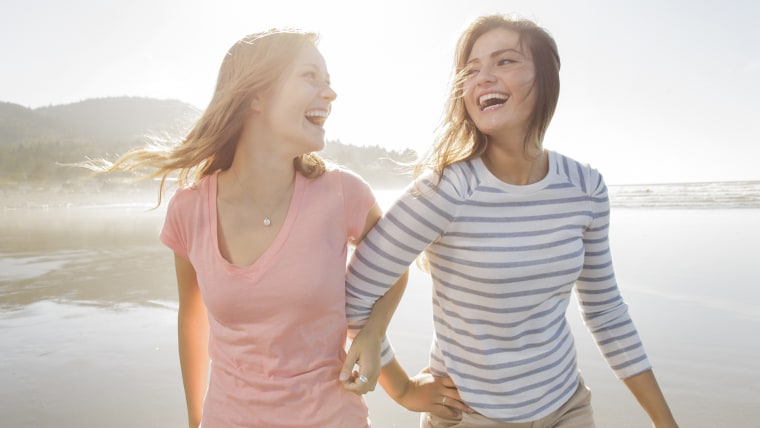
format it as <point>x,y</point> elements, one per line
<point>469,104</point>
<point>524,81</point>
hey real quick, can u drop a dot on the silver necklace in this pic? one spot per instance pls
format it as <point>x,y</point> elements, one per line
<point>267,218</point>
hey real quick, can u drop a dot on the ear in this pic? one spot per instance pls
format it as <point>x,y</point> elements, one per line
<point>257,103</point>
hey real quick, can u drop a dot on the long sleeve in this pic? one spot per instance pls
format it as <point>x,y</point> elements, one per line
<point>604,310</point>
<point>415,220</point>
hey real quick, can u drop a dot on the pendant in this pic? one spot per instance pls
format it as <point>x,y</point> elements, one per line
<point>267,222</point>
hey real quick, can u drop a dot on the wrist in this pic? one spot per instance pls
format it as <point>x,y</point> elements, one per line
<point>373,330</point>
<point>665,421</point>
<point>401,393</point>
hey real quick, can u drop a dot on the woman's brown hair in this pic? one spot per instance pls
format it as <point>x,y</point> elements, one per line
<point>457,137</point>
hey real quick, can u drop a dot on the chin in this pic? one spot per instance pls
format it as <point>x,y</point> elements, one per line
<point>315,146</point>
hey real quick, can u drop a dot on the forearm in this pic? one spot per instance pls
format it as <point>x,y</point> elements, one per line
<point>369,348</point>
<point>394,380</point>
<point>644,387</point>
<point>423,392</point>
<point>192,337</point>
<point>194,362</point>
<point>384,308</point>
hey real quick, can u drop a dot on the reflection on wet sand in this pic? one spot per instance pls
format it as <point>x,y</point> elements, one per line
<point>97,255</point>
<point>88,319</point>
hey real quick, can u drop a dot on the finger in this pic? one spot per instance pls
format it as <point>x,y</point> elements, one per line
<point>349,365</point>
<point>370,370</point>
<point>447,382</point>
<point>455,403</point>
<point>359,384</point>
<point>445,411</point>
<point>455,398</point>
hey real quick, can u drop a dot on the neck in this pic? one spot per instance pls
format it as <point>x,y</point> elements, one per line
<point>252,190</point>
<point>515,166</point>
<point>261,170</point>
<point>258,183</point>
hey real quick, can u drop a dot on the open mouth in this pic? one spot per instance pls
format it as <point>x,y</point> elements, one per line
<point>317,117</point>
<point>491,100</point>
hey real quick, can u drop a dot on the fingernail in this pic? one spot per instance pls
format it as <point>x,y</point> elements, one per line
<point>343,376</point>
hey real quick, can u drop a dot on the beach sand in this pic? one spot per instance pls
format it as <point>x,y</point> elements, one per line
<point>88,319</point>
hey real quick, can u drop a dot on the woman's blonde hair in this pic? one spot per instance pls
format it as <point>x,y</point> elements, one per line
<point>250,67</point>
<point>457,136</point>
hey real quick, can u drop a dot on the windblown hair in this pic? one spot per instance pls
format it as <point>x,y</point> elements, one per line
<point>457,137</point>
<point>251,66</point>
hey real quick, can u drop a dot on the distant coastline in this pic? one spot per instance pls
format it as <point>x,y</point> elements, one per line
<point>48,195</point>
<point>35,143</point>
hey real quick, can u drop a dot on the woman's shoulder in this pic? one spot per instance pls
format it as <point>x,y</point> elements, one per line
<point>192,194</point>
<point>346,177</point>
<point>454,183</point>
<point>342,172</point>
<point>582,174</point>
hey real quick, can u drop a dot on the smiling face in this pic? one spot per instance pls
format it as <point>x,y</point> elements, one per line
<point>498,90</point>
<point>296,108</point>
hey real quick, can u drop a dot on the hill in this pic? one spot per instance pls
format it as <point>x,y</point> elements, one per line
<point>104,120</point>
<point>35,142</point>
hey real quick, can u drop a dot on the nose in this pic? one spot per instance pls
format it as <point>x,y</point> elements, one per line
<point>485,75</point>
<point>328,93</point>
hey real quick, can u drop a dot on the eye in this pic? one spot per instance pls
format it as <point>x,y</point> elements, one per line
<point>310,74</point>
<point>469,71</point>
<point>506,61</point>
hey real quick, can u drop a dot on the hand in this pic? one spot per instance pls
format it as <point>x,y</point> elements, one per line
<point>437,395</point>
<point>362,366</point>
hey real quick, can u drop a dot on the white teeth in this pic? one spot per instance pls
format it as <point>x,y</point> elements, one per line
<point>317,113</point>
<point>483,99</point>
<point>317,117</point>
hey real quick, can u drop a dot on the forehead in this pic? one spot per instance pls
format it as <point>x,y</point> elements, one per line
<point>309,55</point>
<point>498,39</point>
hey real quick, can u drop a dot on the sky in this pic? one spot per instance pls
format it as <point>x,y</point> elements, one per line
<point>651,90</point>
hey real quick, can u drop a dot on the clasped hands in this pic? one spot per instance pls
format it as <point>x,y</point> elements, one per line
<point>423,392</point>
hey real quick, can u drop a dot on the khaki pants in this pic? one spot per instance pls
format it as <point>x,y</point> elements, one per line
<point>575,413</point>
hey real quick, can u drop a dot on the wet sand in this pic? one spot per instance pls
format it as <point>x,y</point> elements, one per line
<point>88,328</point>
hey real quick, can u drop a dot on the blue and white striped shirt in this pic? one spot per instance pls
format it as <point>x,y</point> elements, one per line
<point>504,260</point>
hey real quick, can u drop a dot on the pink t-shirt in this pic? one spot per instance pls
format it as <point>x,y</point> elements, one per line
<point>278,327</point>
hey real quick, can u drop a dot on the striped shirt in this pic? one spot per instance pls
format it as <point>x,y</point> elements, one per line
<point>504,260</point>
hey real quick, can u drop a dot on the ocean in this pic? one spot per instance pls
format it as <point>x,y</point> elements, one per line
<point>88,310</point>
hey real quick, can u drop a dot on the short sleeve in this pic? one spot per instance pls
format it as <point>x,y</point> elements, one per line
<point>172,234</point>
<point>358,199</point>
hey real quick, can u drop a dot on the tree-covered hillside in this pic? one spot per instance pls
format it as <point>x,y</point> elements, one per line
<point>35,144</point>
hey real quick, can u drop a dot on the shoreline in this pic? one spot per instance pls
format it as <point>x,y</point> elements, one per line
<point>701,195</point>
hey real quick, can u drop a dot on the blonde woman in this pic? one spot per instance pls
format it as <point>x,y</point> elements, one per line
<point>508,229</point>
<point>260,228</point>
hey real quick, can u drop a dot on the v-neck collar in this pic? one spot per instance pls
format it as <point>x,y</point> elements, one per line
<point>279,240</point>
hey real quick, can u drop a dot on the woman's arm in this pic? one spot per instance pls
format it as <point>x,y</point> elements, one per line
<point>192,330</point>
<point>417,218</point>
<point>606,314</point>
<point>423,392</point>
<point>644,387</point>
<point>365,347</point>
<point>365,350</point>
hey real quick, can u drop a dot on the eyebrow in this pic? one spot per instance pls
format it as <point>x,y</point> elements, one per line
<point>316,67</point>
<point>495,54</point>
